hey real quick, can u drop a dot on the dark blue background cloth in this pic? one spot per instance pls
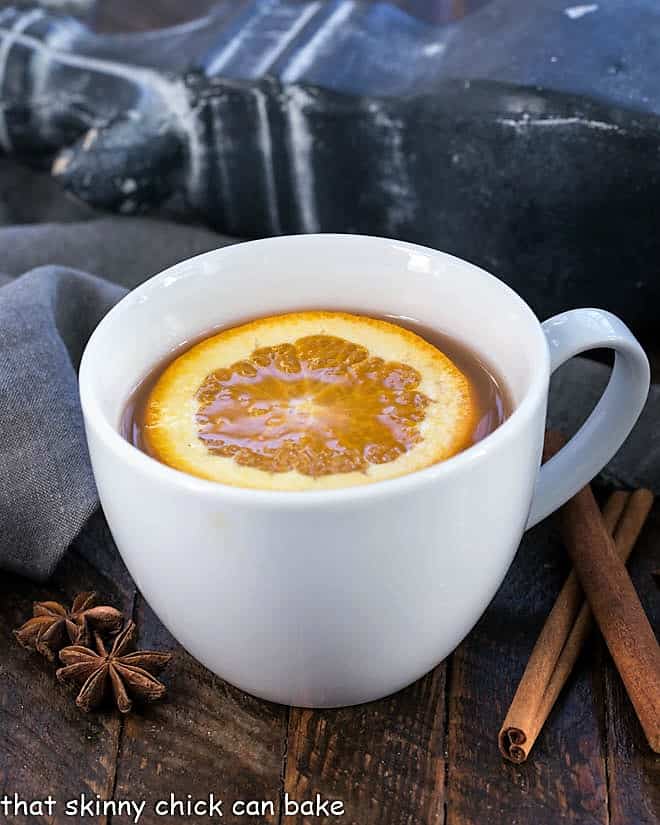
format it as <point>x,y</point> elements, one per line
<point>49,305</point>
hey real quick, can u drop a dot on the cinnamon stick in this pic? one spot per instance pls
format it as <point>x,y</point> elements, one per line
<point>564,633</point>
<point>614,603</point>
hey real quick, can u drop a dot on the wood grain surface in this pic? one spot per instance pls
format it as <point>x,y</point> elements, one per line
<point>426,755</point>
<point>633,769</point>
<point>565,777</point>
<point>384,760</point>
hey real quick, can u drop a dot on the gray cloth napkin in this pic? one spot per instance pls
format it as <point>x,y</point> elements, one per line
<point>49,307</point>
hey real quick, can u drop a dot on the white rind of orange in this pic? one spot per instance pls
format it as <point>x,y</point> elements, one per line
<point>170,427</point>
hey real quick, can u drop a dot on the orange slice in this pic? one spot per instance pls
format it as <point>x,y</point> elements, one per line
<point>308,401</point>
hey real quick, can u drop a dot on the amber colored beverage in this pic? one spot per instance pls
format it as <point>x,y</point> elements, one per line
<point>491,397</point>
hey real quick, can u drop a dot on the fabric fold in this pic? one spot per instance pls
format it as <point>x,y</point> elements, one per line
<point>47,491</point>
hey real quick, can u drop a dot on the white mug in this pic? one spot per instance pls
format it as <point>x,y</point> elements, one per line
<point>336,597</point>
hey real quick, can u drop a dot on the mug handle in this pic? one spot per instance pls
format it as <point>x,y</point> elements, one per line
<point>612,419</point>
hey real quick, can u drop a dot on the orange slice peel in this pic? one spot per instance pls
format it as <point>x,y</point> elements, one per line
<point>308,401</point>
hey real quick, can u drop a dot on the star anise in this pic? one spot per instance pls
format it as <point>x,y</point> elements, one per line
<point>53,626</point>
<point>130,675</point>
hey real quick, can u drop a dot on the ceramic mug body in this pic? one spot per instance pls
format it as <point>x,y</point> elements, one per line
<point>341,596</point>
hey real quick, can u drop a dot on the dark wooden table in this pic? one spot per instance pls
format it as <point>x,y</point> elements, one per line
<point>427,755</point>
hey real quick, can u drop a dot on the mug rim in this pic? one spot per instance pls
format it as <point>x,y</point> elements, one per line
<point>115,442</point>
